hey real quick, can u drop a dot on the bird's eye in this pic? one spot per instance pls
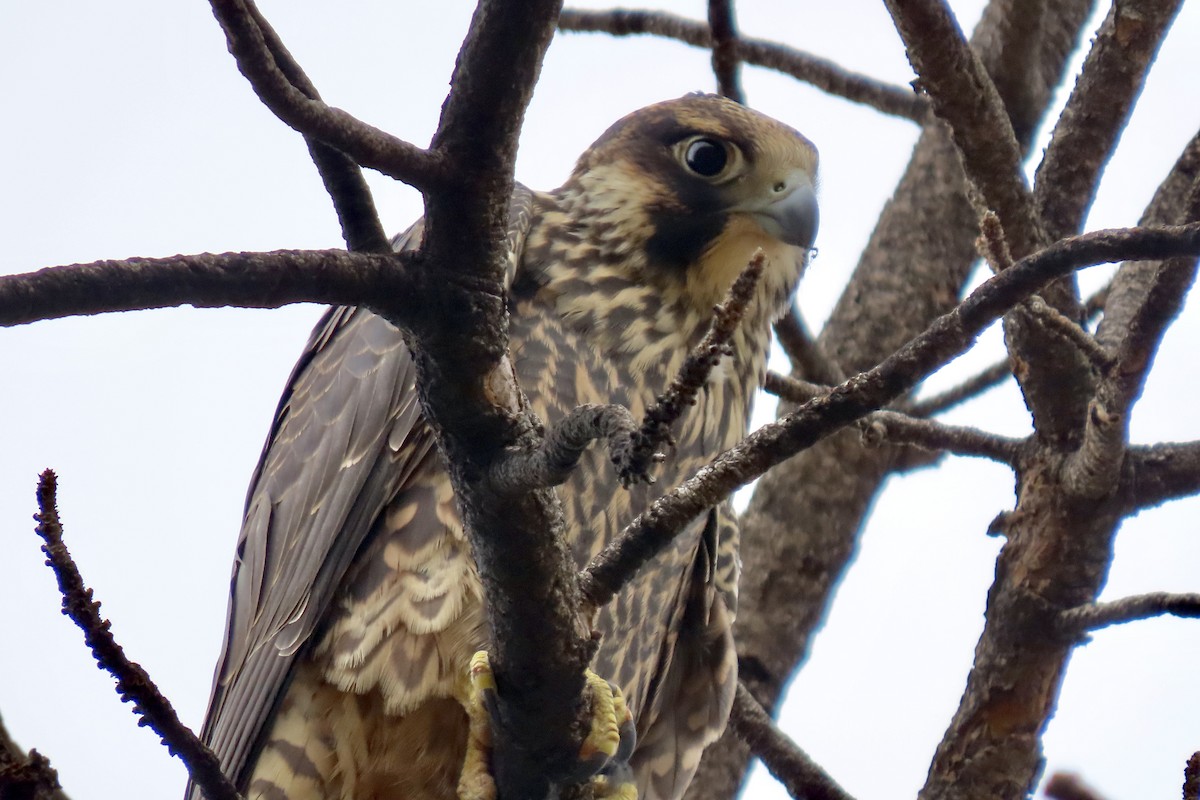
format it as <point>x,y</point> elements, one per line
<point>706,157</point>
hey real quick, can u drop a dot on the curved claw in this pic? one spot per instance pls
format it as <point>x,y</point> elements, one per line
<point>603,756</point>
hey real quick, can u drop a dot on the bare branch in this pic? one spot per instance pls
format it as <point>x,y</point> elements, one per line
<point>343,179</point>
<point>825,75</point>
<point>790,765</point>
<point>366,144</point>
<point>891,427</point>
<point>669,406</point>
<point>1069,786</point>
<point>1191,778</point>
<point>1094,616</point>
<point>805,353</point>
<point>133,683</point>
<point>972,387</point>
<point>1156,474</point>
<point>726,66</point>
<point>249,280</point>
<point>1090,125</point>
<point>793,390</point>
<point>895,427</point>
<point>1095,467</point>
<point>964,96</point>
<point>946,337</point>
<point>1058,323</point>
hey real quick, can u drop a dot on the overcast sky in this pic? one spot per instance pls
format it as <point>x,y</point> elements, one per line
<point>129,132</point>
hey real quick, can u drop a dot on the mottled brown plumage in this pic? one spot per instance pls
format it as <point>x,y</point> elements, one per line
<point>356,604</point>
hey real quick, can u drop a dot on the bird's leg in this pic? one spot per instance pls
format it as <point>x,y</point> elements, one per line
<point>603,756</point>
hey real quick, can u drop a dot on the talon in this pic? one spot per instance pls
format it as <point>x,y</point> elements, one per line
<point>476,781</point>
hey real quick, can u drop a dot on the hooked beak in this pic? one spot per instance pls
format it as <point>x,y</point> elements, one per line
<point>790,215</point>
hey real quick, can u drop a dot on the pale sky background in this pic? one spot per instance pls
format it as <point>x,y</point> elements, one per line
<point>128,131</point>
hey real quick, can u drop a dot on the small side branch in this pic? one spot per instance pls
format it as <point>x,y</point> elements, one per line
<point>970,388</point>
<point>1092,617</point>
<point>1060,324</point>
<point>825,75</point>
<point>343,179</point>
<point>891,427</point>
<point>133,683</point>
<point>366,144</point>
<point>894,427</point>
<point>803,350</point>
<point>790,765</point>
<point>725,63</point>
<point>655,432</point>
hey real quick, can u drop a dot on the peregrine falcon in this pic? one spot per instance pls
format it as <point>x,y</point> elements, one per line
<point>356,606</point>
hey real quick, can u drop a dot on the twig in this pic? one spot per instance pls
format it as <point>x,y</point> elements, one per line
<point>972,387</point>
<point>247,280</point>
<point>1191,778</point>
<point>946,337</point>
<point>804,351</point>
<point>896,427</point>
<point>1060,324</point>
<point>825,75</point>
<point>1094,616</point>
<point>655,431</point>
<point>892,427</point>
<point>343,179</point>
<point>793,390</point>
<point>725,63</point>
<point>991,244</point>
<point>1091,123</point>
<point>790,765</point>
<point>553,460</point>
<point>133,683</point>
<point>365,144</point>
<point>1069,786</point>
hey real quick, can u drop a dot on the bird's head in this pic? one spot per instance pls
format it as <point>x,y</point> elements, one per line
<point>694,187</point>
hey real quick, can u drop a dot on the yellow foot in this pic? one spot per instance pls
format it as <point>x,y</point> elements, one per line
<point>603,756</point>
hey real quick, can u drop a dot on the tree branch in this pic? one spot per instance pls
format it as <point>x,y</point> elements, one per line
<point>365,144</point>
<point>725,63</point>
<point>1153,475</point>
<point>825,75</point>
<point>946,337</point>
<point>1090,125</point>
<point>1094,616</point>
<point>343,179</point>
<point>806,354</point>
<point>970,388</point>
<point>890,427</point>
<point>791,766</point>
<point>249,280</point>
<point>133,683</point>
<point>964,96</point>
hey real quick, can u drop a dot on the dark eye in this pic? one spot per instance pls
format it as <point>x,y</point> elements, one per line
<point>706,158</point>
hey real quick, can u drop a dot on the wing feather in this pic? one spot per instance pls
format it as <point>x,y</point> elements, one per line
<point>347,436</point>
